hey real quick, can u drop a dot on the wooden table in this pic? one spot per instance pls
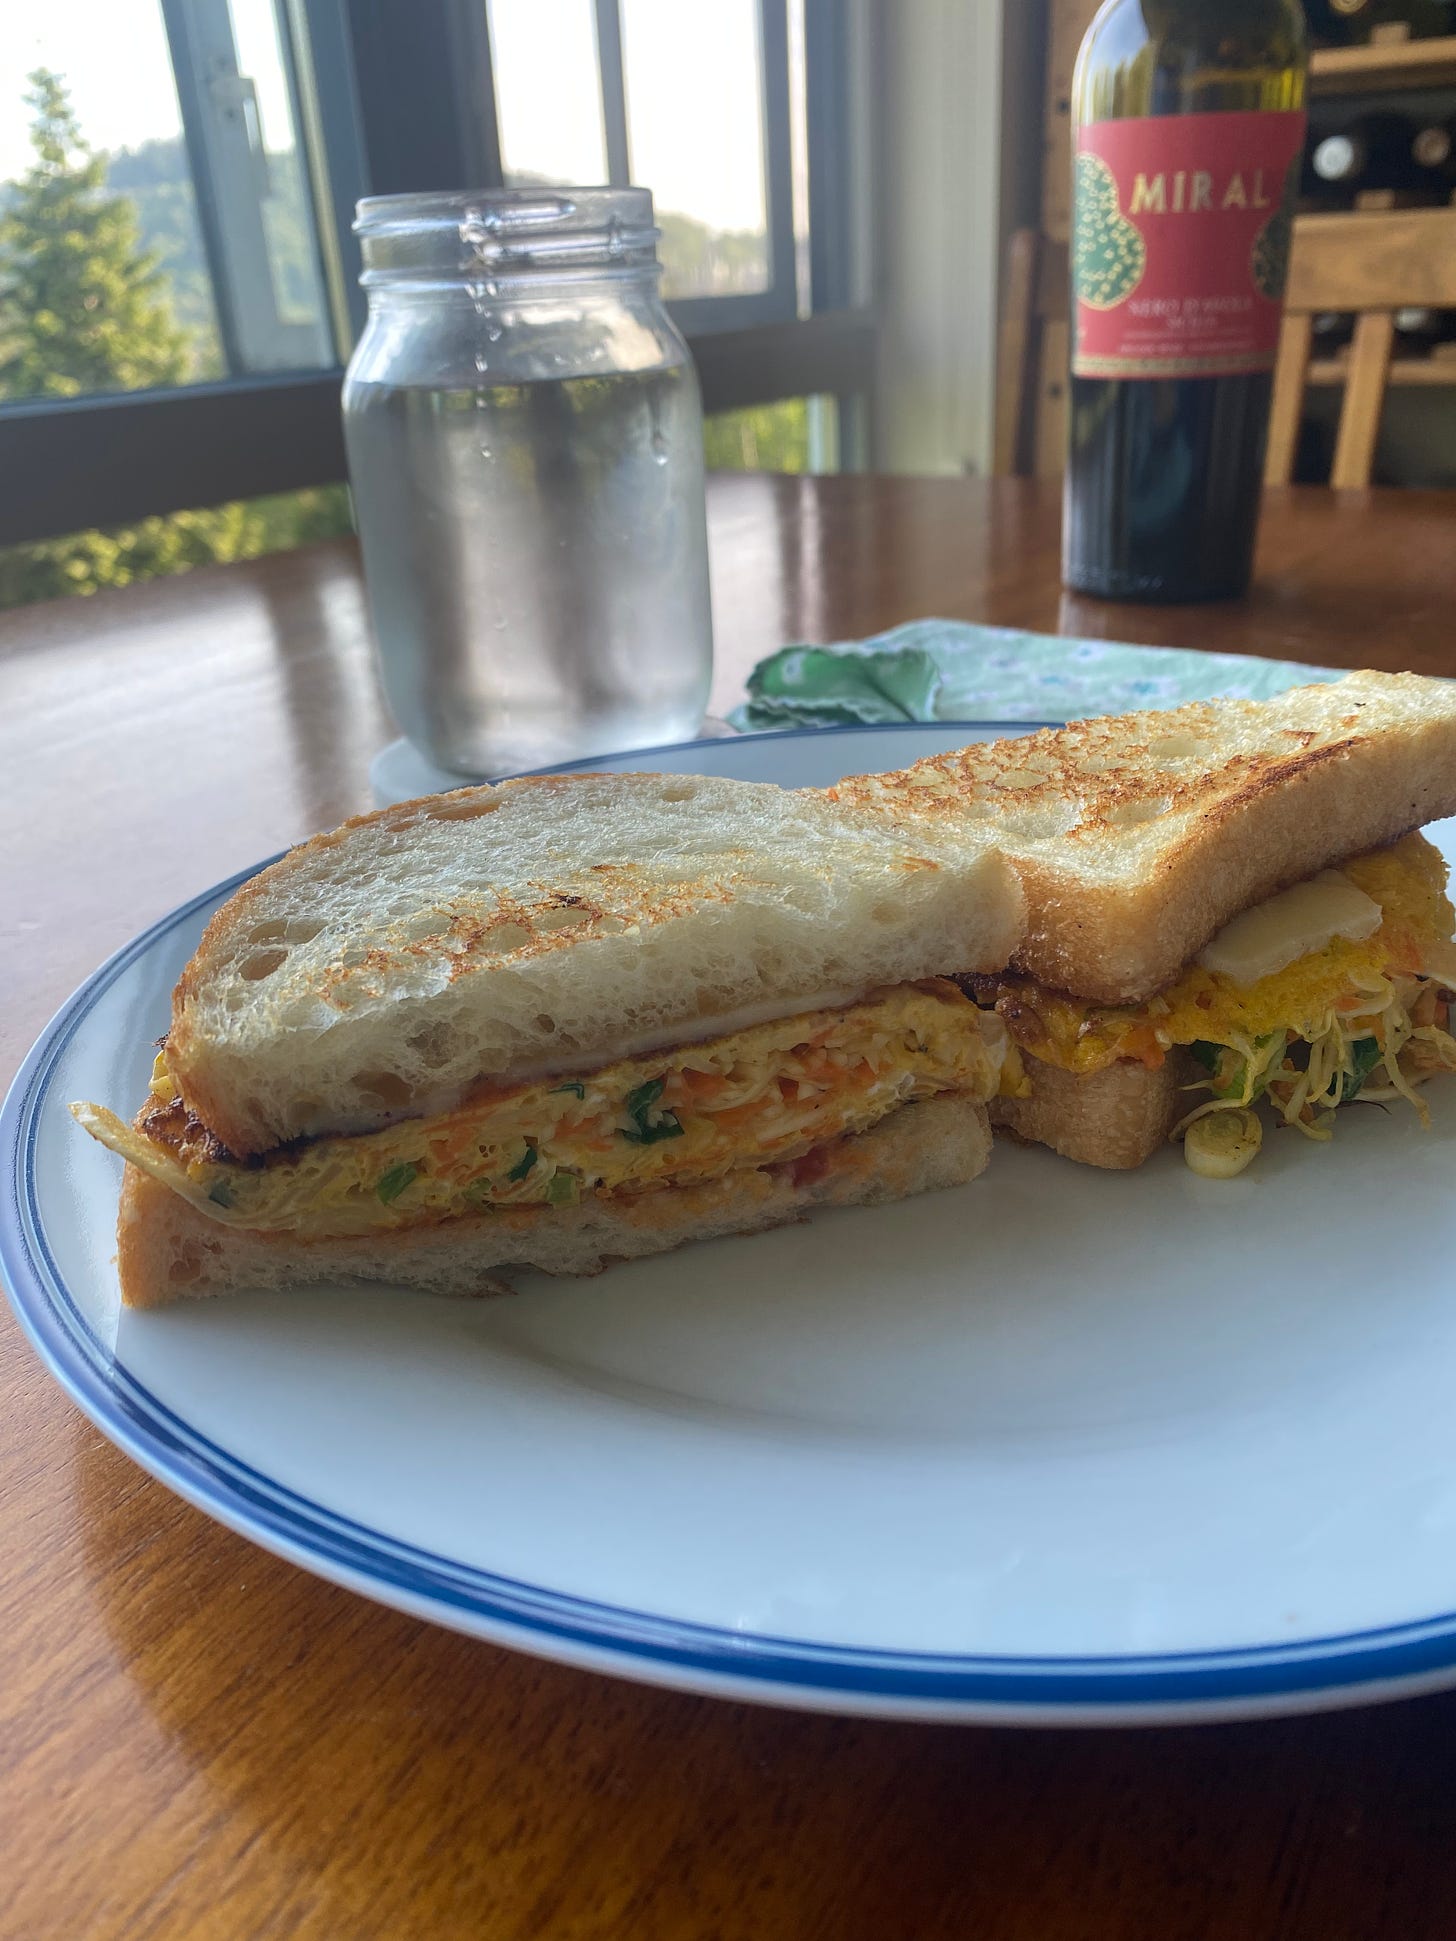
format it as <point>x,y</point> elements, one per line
<point>197,1740</point>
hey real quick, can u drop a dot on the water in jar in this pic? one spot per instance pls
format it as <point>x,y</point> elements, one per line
<point>537,563</point>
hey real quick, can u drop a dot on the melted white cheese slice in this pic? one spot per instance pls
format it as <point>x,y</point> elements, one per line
<point>1288,926</point>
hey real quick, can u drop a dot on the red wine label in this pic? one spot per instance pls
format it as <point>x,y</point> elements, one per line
<point>1181,227</point>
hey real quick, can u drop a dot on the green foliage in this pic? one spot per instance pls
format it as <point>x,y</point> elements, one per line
<point>84,562</point>
<point>156,177</point>
<point>1108,252</point>
<point>301,518</point>
<point>83,307</point>
<point>763,438</point>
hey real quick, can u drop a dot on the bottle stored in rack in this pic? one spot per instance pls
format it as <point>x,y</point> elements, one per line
<point>1330,331</point>
<point>1341,22</point>
<point>1371,151</point>
<point>1433,153</point>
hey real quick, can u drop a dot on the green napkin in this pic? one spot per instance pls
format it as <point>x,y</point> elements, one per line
<point>952,670</point>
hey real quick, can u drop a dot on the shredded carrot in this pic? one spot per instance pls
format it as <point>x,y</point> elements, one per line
<point>702,1086</point>
<point>739,1115</point>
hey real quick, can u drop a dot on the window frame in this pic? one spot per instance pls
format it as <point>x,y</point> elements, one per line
<point>395,100</point>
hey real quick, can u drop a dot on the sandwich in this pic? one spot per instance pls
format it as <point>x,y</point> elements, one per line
<point>559,1022</point>
<point>1226,904</point>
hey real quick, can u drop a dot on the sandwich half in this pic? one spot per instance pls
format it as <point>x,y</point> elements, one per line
<point>1226,903</point>
<point>560,1022</point>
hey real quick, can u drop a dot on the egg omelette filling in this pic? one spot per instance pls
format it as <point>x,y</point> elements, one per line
<point>1358,1018</point>
<point>767,1095</point>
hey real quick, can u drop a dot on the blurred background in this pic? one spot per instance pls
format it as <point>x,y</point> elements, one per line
<point>838,182</point>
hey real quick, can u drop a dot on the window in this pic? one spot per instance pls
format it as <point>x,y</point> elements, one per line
<point>213,151</point>
<point>235,85</point>
<point>701,149</point>
<point>166,137</point>
<point>548,92</point>
<point>793,435</point>
<point>694,105</point>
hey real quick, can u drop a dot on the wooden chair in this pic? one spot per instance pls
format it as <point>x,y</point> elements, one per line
<point>1031,360</point>
<point>1367,262</point>
<point>1370,263</point>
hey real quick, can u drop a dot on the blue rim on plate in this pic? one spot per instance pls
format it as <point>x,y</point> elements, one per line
<point>717,742</point>
<point>1391,1659</point>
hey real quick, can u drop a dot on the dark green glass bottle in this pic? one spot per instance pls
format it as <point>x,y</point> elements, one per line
<point>1188,122</point>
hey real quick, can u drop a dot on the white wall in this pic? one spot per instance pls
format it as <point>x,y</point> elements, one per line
<point>941,71</point>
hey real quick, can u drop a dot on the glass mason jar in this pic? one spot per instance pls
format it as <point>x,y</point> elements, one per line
<point>525,443</point>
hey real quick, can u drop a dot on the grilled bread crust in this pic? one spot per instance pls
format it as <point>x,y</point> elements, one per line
<point>377,972</point>
<point>1138,836</point>
<point>166,1249</point>
<point>1116,1118</point>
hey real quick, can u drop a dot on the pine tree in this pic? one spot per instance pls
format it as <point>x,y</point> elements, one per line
<point>83,308</point>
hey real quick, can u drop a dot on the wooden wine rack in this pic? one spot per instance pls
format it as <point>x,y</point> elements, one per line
<point>1383,64</point>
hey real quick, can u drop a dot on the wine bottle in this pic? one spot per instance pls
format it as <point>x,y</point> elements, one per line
<point>1188,122</point>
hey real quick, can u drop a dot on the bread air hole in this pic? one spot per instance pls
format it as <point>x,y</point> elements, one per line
<point>419,926</point>
<point>562,916</point>
<point>289,930</point>
<point>1178,748</point>
<point>1127,814</point>
<point>682,791</point>
<point>385,1089</point>
<point>1045,821</point>
<point>261,964</point>
<point>433,1045</point>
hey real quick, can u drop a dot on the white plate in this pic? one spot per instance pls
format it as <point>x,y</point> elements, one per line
<point>1059,1446</point>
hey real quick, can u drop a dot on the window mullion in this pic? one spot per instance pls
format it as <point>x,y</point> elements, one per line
<point>190,77</point>
<point>827,27</point>
<point>614,92</point>
<point>322,59</point>
<point>468,36</point>
<point>778,162</point>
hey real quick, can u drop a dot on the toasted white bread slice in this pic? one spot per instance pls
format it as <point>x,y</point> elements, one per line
<point>378,972</point>
<point>166,1249</point>
<point>1138,836</point>
<point>1116,1118</point>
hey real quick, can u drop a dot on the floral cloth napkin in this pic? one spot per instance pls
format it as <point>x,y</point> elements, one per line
<point>952,670</point>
